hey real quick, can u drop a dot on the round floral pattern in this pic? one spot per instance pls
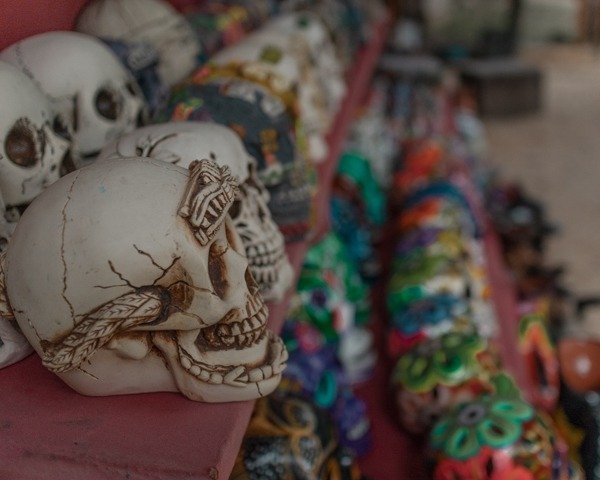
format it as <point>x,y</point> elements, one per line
<point>496,422</point>
<point>448,360</point>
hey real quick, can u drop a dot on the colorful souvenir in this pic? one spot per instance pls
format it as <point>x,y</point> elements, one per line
<point>307,26</point>
<point>330,257</point>
<point>266,131</point>
<point>97,98</point>
<point>498,437</point>
<point>357,211</point>
<point>439,373</point>
<point>540,357</point>
<point>316,372</point>
<point>288,437</point>
<point>128,276</point>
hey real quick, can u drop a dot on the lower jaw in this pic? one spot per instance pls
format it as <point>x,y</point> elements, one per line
<point>252,385</point>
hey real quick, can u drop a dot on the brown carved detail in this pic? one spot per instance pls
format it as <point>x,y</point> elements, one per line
<point>6,310</point>
<point>209,194</point>
<point>97,328</point>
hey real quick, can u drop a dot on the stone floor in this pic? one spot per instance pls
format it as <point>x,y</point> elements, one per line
<point>556,155</point>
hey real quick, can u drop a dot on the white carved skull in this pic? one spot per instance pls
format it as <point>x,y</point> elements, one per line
<point>154,22</point>
<point>87,84</point>
<point>274,53</point>
<point>127,276</point>
<point>180,143</point>
<point>34,144</point>
<point>13,345</point>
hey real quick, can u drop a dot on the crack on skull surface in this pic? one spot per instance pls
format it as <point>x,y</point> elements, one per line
<point>87,373</point>
<point>22,312</point>
<point>62,248</point>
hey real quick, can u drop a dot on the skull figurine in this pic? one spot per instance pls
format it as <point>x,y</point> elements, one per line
<point>181,143</point>
<point>127,277</point>
<point>13,345</point>
<point>87,84</point>
<point>273,54</point>
<point>310,28</point>
<point>34,144</point>
<point>154,22</point>
<point>261,121</point>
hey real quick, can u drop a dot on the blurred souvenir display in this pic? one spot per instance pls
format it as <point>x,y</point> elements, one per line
<point>164,175</point>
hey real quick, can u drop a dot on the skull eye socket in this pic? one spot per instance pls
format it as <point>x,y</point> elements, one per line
<point>60,128</point>
<point>20,144</point>
<point>108,104</point>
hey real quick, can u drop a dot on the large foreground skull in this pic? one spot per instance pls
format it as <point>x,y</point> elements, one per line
<point>154,22</point>
<point>87,84</point>
<point>33,140</point>
<point>127,276</point>
<point>180,144</point>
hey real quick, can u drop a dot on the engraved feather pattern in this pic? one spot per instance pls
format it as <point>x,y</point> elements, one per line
<point>99,326</point>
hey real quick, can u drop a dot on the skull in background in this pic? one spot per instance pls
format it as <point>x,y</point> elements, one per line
<point>96,96</point>
<point>271,53</point>
<point>154,22</point>
<point>183,142</point>
<point>307,26</point>
<point>127,276</point>
<point>34,143</point>
<point>265,128</point>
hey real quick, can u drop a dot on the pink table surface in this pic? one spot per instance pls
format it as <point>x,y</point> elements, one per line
<point>49,432</point>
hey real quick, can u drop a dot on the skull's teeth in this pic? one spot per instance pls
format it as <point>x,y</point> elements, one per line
<point>205,373</point>
<point>239,334</point>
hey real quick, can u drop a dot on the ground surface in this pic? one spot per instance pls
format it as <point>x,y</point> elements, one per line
<point>556,154</point>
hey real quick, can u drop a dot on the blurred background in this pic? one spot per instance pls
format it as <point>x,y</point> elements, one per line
<point>534,66</point>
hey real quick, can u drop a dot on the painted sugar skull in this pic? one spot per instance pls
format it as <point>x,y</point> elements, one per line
<point>127,276</point>
<point>438,373</point>
<point>310,28</point>
<point>34,142</point>
<point>264,127</point>
<point>154,22</point>
<point>498,437</point>
<point>181,143</point>
<point>282,64</point>
<point>289,437</point>
<point>96,96</point>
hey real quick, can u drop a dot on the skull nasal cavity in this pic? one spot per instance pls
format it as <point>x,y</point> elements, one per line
<point>217,269</point>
